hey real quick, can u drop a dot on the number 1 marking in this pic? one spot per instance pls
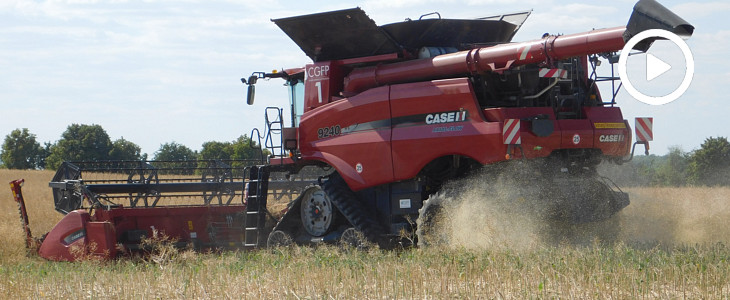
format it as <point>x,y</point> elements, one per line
<point>319,90</point>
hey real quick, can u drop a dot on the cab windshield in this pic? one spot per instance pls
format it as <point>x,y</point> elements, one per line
<point>296,100</point>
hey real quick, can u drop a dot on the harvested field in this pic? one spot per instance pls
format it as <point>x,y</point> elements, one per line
<point>670,243</point>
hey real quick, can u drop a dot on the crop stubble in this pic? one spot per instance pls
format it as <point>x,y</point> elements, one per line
<point>670,244</point>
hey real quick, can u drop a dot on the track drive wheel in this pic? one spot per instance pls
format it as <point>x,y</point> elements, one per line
<point>317,212</point>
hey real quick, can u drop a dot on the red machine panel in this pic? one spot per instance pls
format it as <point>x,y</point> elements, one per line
<point>532,145</point>
<point>612,133</point>
<point>79,235</point>
<point>69,234</point>
<point>323,80</point>
<point>353,135</point>
<point>204,226</point>
<point>437,118</point>
<point>102,242</point>
<point>576,134</point>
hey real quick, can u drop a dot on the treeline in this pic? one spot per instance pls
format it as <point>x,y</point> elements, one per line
<point>21,150</point>
<point>709,165</point>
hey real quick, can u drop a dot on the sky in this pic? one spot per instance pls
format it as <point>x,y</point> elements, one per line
<point>159,71</point>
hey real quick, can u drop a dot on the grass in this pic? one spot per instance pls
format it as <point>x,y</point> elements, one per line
<point>671,245</point>
<point>328,272</point>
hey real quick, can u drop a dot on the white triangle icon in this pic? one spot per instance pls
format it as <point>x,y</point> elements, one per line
<point>655,67</point>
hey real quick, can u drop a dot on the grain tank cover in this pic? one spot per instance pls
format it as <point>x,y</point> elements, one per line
<point>458,34</point>
<point>350,33</point>
<point>338,34</point>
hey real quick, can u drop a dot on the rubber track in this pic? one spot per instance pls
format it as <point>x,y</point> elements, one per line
<point>362,218</point>
<point>291,219</point>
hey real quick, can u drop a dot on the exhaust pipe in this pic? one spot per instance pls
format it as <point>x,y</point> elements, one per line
<point>649,14</point>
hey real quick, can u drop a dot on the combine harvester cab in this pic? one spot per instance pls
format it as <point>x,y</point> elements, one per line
<point>395,111</point>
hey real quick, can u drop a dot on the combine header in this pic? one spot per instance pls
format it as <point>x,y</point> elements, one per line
<point>113,206</point>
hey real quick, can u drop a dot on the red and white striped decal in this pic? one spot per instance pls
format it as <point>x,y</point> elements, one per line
<point>553,73</point>
<point>511,132</point>
<point>643,128</point>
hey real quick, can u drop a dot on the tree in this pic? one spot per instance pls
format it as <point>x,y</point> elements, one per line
<point>216,150</point>
<point>21,150</point>
<point>243,148</point>
<point>673,170</point>
<point>238,150</point>
<point>45,153</point>
<point>80,143</point>
<point>174,151</point>
<point>126,150</point>
<point>181,157</point>
<point>710,165</point>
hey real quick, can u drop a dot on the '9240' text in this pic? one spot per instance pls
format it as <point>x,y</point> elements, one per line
<point>329,131</point>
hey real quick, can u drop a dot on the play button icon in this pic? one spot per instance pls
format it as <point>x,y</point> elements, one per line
<point>655,67</point>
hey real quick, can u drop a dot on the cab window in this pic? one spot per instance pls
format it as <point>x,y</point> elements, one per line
<point>296,100</point>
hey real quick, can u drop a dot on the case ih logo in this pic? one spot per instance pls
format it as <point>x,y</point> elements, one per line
<point>447,117</point>
<point>611,138</point>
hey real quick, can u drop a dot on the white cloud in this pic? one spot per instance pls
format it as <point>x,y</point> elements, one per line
<point>696,10</point>
<point>711,45</point>
<point>575,18</point>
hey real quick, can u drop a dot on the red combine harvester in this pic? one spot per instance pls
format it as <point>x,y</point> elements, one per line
<point>395,111</point>
<point>383,117</point>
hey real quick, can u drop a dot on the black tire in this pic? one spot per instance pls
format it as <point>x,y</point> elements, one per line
<point>429,225</point>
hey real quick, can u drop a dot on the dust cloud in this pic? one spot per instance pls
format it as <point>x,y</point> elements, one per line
<point>676,216</point>
<point>478,212</point>
<point>481,213</point>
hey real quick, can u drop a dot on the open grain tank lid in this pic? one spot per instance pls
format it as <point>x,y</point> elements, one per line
<point>350,33</point>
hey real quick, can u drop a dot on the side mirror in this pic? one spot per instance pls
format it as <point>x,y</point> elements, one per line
<point>251,93</point>
<point>251,89</point>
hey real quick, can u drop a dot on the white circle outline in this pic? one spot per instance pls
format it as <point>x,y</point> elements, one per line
<point>658,100</point>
